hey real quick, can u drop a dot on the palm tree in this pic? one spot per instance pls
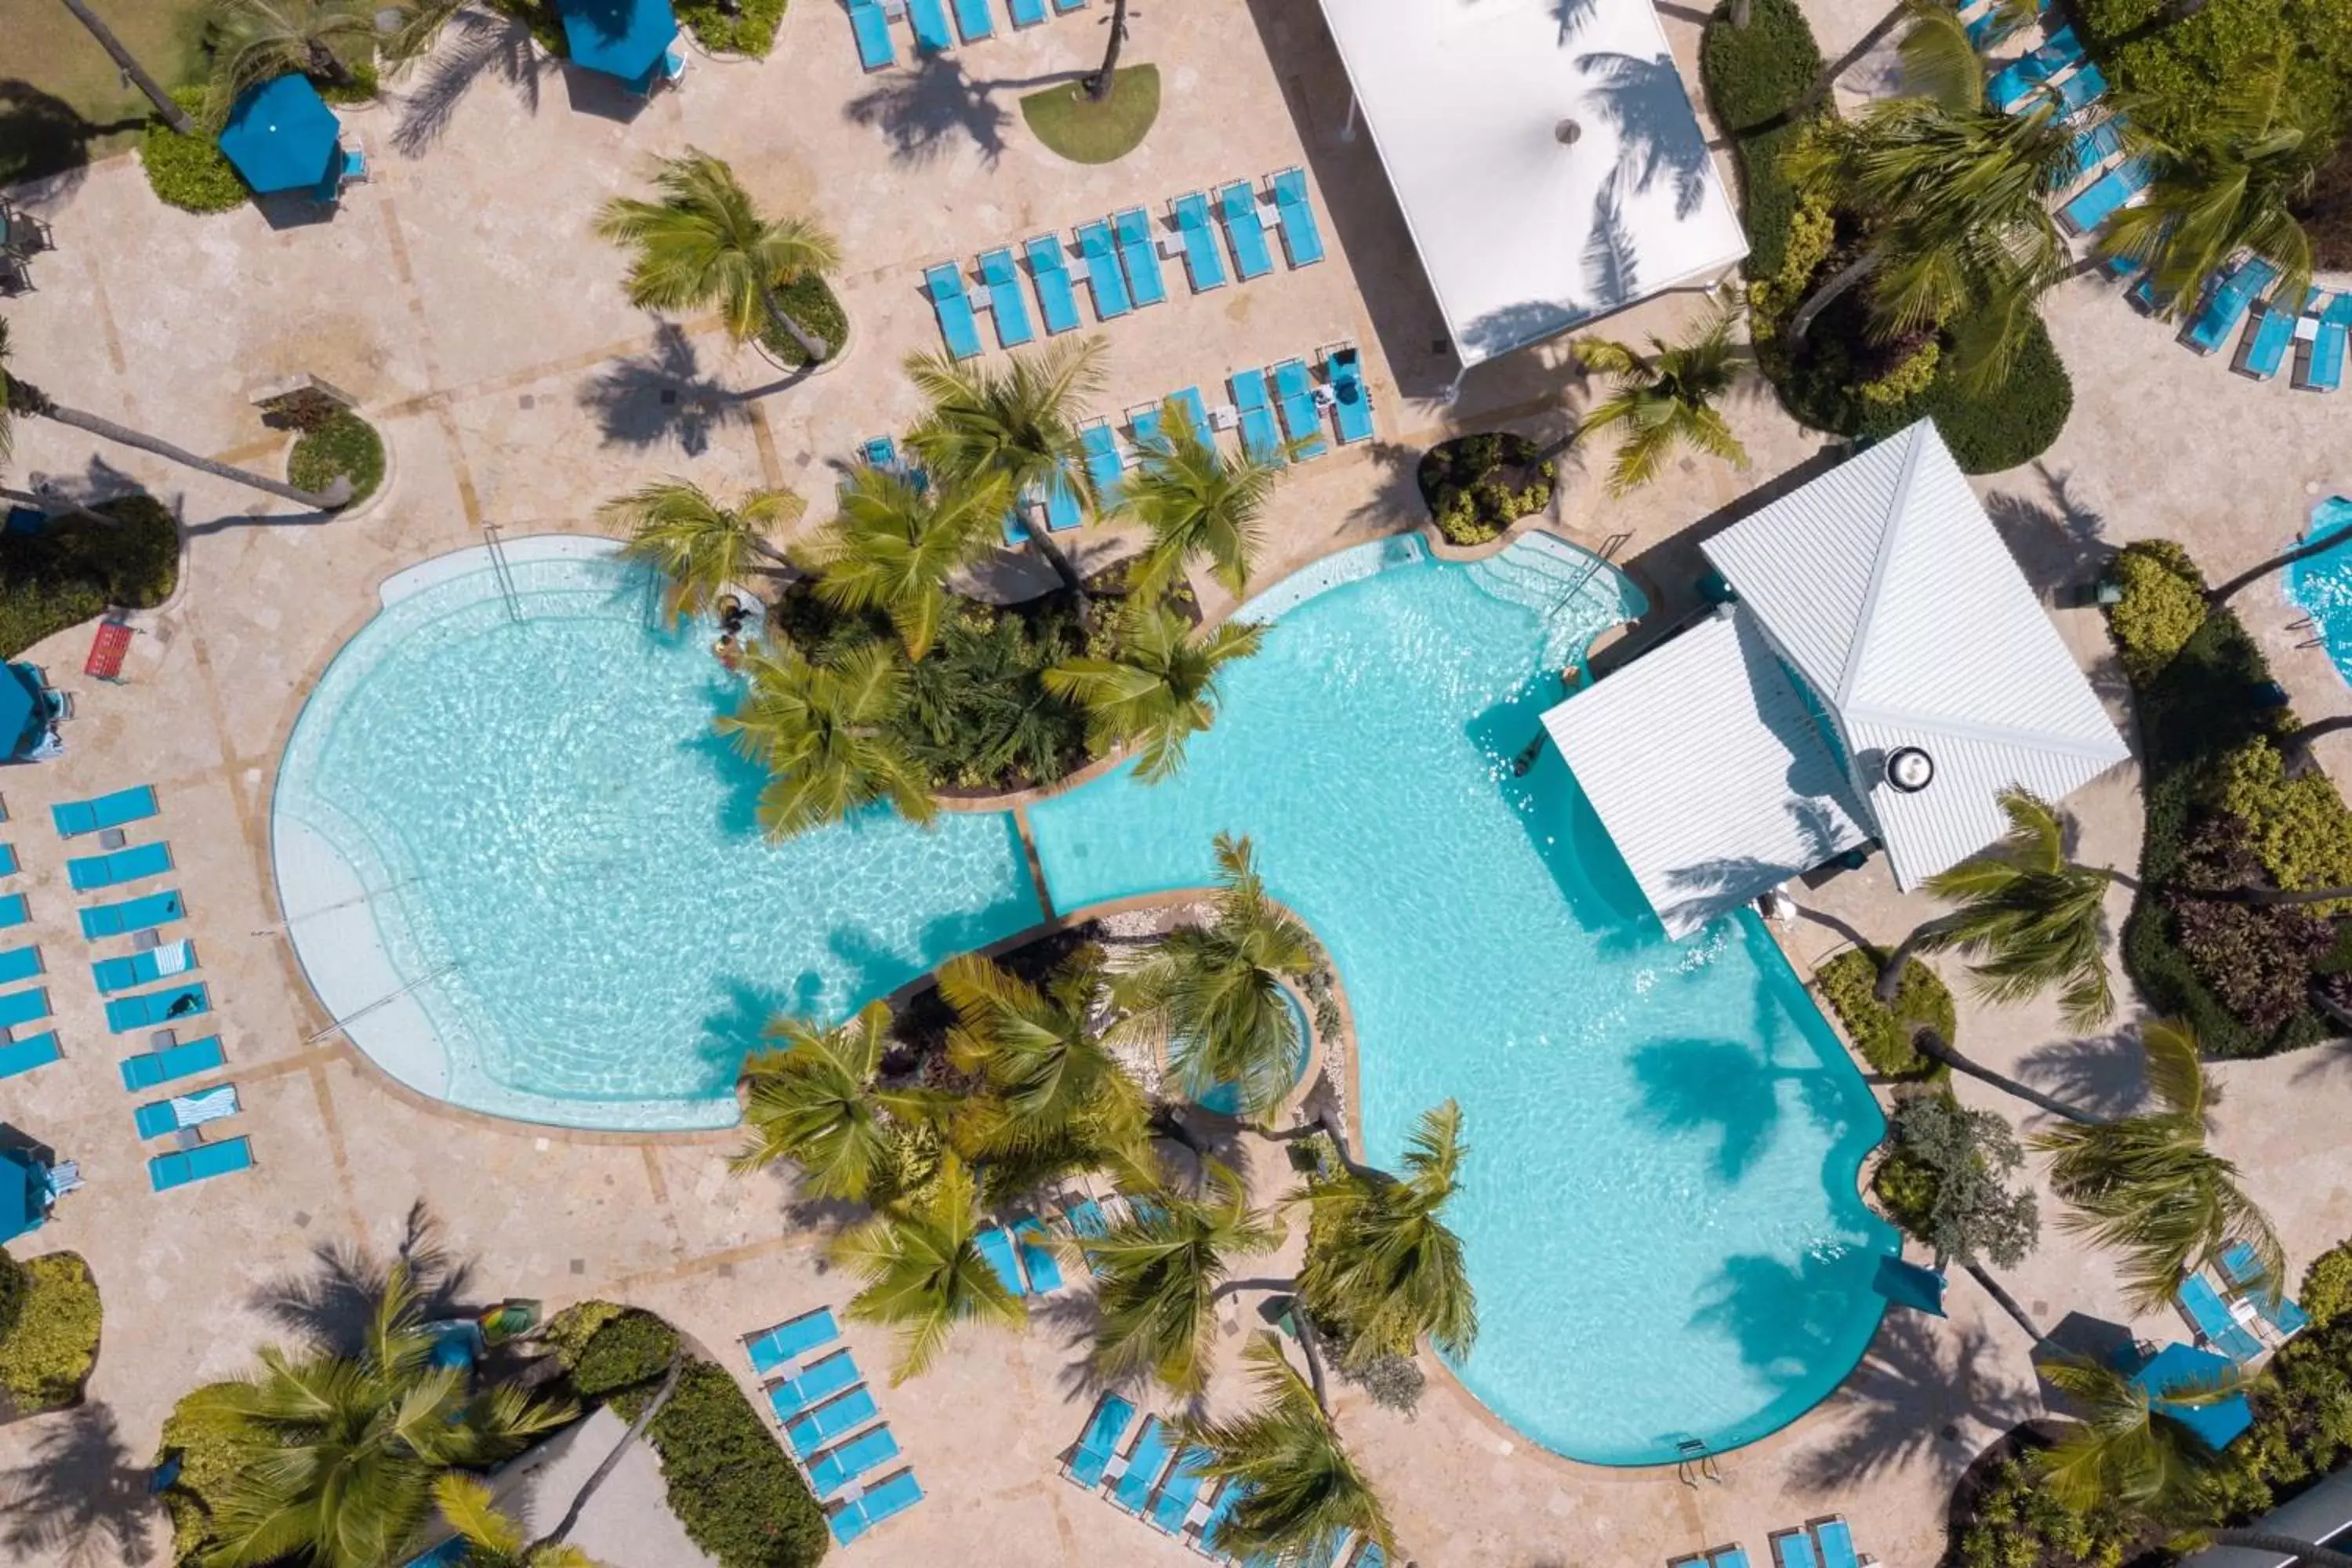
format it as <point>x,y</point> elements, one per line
<point>1196,501</point>
<point>2224,593</point>
<point>703,244</point>
<point>492,1539</point>
<point>255,41</point>
<point>1012,427</point>
<point>1158,686</point>
<point>2033,918</point>
<point>1213,997</point>
<point>336,1458</point>
<point>893,544</point>
<point>702,547</point>
<point>814,1101</point>
<point>1301,1492</point>
<point>2150,1186</point>
<point>169,111</point>
<point>2226,185</point>
<point>819,728</point>
<point>1156,1273</point>
<point>20,398</point>
<point>1380,1260</point>
<point>923,1270</point>
<point>1098,85</point>
<point>1666,401</point>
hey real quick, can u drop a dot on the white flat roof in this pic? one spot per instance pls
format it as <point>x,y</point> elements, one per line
<point>1522,237</point>
<point>1708,771</point>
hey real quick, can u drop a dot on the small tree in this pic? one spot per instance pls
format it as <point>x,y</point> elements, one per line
<point>700,545</point>
<point>1666,402</point>
<point>1974,1215</point>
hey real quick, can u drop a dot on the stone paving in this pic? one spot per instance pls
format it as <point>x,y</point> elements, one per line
<point>461,297</point>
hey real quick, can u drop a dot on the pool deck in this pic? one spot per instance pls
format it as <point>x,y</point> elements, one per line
<point>462,298</point>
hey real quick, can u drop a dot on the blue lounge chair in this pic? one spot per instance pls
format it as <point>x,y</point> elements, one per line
<point>1792,1549</point>
<point>2323,369</point>
<point>1005,299</point>
<point>1026,13</point>
<point>825,1376</point>
<point>1205,1539</point>
<point>972,20</point>
<point>19,963</point>
<point>2267,340</point>
<point>150,1009</point>
<point>1086,1217</point>
<point>1062,509</point>
<point>1833,1538</point>
<point>1245,231</point>
<point>2094,147</point>
<point>1203,265</point>
<point>1259,435</point>
<point>1728,1557</point>
<point>74,817</point>
<point>1139,255</point>
<point>150,1069</point>
<point>944,283</point>
<point>1370,1557</point>
<point>1099,1441</point>
<point>131,915</point>
<point>892,1495</point>
<point>1103,276</point>
<point>2108,192</point>
<point>997,1248</point>
<point>831,1421</point>
<point>789,1340</point>
<point>1064,8</point>
<point>1037,1259</point>
<point>2227,306</point>
<point>160,1118</point>
<point>7,859</point>
<point>2079,92</point>
<point>1176,1496</point>
<point>931,20</point>
<point>1294,394</point>
<point>1149,424</point>
<point>1147,1461</point>
<point>1351,401</point>
<point>1196,413</point>
<point>18,1008</point>
<point>870,1449</point>
<point>144,968</point>
<point>872,30</point>
<point>200,1163</point>
<point>24,1055</point>
<point>2209,1316</point>
<point>1105,467</point>
<point>2011,86</point>
<point>13,911</point>
<point>1051,274</point>
<point>880,452</point>
<point>92,872</point>
<point>1016,528</point>
<point>1993,25</point>
<point>2244,1272</point>
<point>1302,241</point>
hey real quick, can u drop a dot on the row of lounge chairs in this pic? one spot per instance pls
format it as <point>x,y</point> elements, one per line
<point>830,1422</point>
<point>2253,1310</point>
<point>1826,1543</point>
<point>21,1054</point>
<point>870,24</point>
<point>1121,255</point>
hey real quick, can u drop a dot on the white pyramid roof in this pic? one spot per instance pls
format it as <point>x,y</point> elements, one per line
<point>1886,587</point>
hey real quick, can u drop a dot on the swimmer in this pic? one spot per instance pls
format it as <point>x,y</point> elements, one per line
<point>729,653</point>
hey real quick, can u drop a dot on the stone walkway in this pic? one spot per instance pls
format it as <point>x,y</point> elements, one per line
<point>462,298</point>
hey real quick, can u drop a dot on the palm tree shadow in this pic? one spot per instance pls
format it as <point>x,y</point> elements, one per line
<point>42,137</point>
<point>81,1498</point>
<point>1692,1085</point>
<point>2060,544</point>
<point>1645,100</point>
<point>332,1304</point>
<point>662,394</point>
<point>1897,1411</point>
<point>474,44</point>
<point>920,112</point>
<point>2106,1076</point>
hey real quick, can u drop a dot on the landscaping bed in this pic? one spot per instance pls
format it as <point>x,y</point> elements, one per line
<point>190,172</point>
<point>1848,981</point>
<point>341,445</point>
<point>813,304</point>
<point>749,29</point>
<point>1076,127</point>
<point>1477,485</point>
<point>75,568</point>
<point>49,1322</point>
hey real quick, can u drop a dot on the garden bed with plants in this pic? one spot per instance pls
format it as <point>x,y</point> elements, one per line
<point>1849,984</point>
<point>49,1322</point>
<point>743,27</point>
<point>809,300</point>
<point>1477,485</point>
<point>1074,126</point>
<point>75,568</point>
<point>341,445</point>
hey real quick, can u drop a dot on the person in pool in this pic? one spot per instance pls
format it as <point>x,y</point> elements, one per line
<point>729,653</point>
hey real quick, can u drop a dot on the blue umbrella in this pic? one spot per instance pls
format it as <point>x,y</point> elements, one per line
<point>24,1193</point>
<point>2185,1367</point>
<point>625,38</point>
<point>282,136</point>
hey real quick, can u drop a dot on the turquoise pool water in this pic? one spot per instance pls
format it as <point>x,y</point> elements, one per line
<point>2323,585</point>
<point>1659,1206</point>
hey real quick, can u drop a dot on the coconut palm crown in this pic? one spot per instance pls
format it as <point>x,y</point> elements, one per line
<point>893,544</point>
<point>1302,1493</point>
<point>814,1101</point>
<point>1659,404</point>
<point>1157,687</point>
<point>700,546</point>
<point>1156,1277</point>
<point>1381,1261</point>
<point>1198,502</point>
<point>818,728</point>
<point>924,1272</point>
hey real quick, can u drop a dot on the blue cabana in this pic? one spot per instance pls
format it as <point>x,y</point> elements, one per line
<point>24,716</point>
<point>283,137</point>
<point>625,38</point>
<point>24,1193</point>
<point>2184,1367</point>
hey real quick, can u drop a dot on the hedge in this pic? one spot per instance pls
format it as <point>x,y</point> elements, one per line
<point>810,301</point>
<point>729,1484</point>
<point>342,444</point>
<point>209,1459</point>
<point>1849,984</point>
<point>749,30</point>
<point>1753,76</point>
<point>72,569</point>
<point>1988,432</point>
<point>47,1355</point>
<point>2184,67</point>
<point>632,1349</point>
<point>190,172</point>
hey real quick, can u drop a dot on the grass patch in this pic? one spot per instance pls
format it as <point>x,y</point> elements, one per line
<point>750,30</point>
<point>812,302</point>
<point>343,444</point>
<point>76,567</point>
<point>48,1350</point>
<point>62,102</point>
<point>1084,131</point>
<point>1848,981</point>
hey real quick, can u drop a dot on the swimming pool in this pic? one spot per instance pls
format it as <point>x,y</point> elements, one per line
<point>1659,1208</point>
<point>2323,584</point>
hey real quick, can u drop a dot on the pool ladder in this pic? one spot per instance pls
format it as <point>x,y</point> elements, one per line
<point>1608,548</point>
<point>500,572</point>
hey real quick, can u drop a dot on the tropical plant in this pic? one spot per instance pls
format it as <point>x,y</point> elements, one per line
<point>924,1272</point>
<point>894,542</point>
<point>703,244</point>
<point>256,41</point>
<point>337,1457</point>
<point>1157,688</point>
<point>20,399</point>
<point>1156,1273</point>
<point>1382,1263</point>
<point>492,1539</point>
<point>815,1101</point>
<point>2029,916</point>
<point>1967,1213</point>
<point>170,112</point>
<point>2228,183</point>
<point>1666,402</point>
<point>821,729</point>
<point>1213,997</point>
<point>978,714</point>
<point>1197,503</point>
<point>1301,1493</point>
<point>700,546</point>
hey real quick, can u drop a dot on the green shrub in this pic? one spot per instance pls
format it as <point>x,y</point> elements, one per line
<point>74,568</point>
<point>344,443</point>
<point>568,1333</point>
<point>750,30</point>
<point>362,88</point>
<point>539,16</point>
<point>2163,604</point>
<point>1469,484</point>
<point>2300,827</point>
<point>12,1291</point>
<point>1988,432</point>
<point>190,172</point>
<point>209,1462</point>
<point>2327,1285</point>
<point>631,1350</point>
<point>47,1352</point>
<point>810,301</point>
<point>729,1484</point>
<point>978,715</point>
<point>2014,1523</point>
<point>2185,66</point>
<point>1906,1187</point>
<point>1753,76</point>
<point>1849,984</point>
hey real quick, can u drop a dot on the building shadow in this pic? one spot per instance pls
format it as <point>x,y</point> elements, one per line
<point>332,1304</point>
<point>923,112</point>
<point>662,395</point>
<point>42,137</point>
<point>473,46</point>
<point>81,1498</point>
<point>606,97</point>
